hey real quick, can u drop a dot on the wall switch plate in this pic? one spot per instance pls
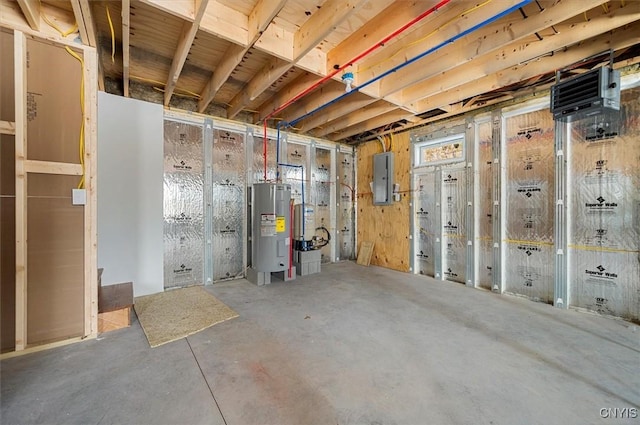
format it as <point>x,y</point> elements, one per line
<point>79,196</point>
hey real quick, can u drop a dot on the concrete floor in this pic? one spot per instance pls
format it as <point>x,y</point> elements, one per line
<point>352,345</point>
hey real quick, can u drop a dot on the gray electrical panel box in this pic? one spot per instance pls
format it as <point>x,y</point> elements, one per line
<point>383,179</point>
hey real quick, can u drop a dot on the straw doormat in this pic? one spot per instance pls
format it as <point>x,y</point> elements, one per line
<point>175,314</point>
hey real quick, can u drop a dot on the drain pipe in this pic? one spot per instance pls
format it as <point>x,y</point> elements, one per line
<point>414,59</point>
<point>336,70</point>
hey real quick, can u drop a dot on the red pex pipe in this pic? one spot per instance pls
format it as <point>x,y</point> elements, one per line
<point>264,149</point>
<point>342,67</point>
<point>359,56</point>
<point>291,212</point>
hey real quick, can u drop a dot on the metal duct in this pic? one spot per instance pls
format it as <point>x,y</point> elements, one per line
<point>183,204</point>
<point>604,242</point>
<point>529,140</point>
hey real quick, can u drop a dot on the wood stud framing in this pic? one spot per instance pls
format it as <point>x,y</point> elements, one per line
<point>24,166</point>
<point>126,48</point>
<point>31,10</point>
<point>20,82</point>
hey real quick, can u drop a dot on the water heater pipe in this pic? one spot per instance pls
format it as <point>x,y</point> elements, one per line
<point>336,70</point>
<point>414,59</point>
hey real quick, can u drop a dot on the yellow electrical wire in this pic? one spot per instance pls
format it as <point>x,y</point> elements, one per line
<point>149,80</point>
<point>175,93</point>
<point>81,143</point>
<point>56,27</point>
<point>523,242</point>
<point>75,55</point>
<point>113,36</point>
<point>472,9</point>
<point>603,249</point>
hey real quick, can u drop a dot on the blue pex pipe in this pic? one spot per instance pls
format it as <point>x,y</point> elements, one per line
<point>414,59</point>
<point>278,149</point>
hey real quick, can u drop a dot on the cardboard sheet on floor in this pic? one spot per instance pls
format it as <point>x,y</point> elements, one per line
<point>178,313</point>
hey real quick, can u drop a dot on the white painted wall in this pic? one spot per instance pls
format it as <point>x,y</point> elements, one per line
<point>130,179</point>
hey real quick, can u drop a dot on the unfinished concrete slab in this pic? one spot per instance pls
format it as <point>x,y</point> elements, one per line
<point>351,345</point>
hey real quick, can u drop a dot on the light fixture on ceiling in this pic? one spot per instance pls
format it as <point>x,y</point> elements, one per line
<point>347,78</point>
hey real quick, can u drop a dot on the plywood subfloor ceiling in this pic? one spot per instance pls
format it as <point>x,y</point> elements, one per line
<point>254,56</point>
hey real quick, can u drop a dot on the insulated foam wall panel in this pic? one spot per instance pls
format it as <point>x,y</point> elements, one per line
<point>453,223</point>
<point>228,209</point>
<point>295,155</point>
<point>484,204</point>
<point>345,208</point>
<point>258,159</point>
<point>529,183</point>
<point>425,223</point>
<point>321,195</point>
<point>604,240</point>
<point>183,204</point>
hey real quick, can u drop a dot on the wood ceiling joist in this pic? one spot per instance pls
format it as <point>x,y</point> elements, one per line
<point>84,19</point>
<point>619,39</point>
<point>452,100</point>
<point>31,11</point>
<point>392,18</point>
<point>437,29</point>
<point>309,35</point>
<point>126,50</point>
<point>286,93</point>
<point>340,110</point>
<point>321,23</point>
<point>516,53</point>
<point>369,124</point>
<point>369,112</point>
<point>258,21</point>
<point>184,9</point>
<point>189,30</point>
<point>511,55</point>
<point>258,85</point>
<point>484,41</point>
<point>324,94</point>
<point>88,31</point>
<point>226,23</point>
<point>11,16</point>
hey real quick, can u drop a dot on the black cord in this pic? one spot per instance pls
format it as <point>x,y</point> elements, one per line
<point>325,241</point>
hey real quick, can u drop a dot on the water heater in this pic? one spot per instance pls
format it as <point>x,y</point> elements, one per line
<point>271,221</point>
